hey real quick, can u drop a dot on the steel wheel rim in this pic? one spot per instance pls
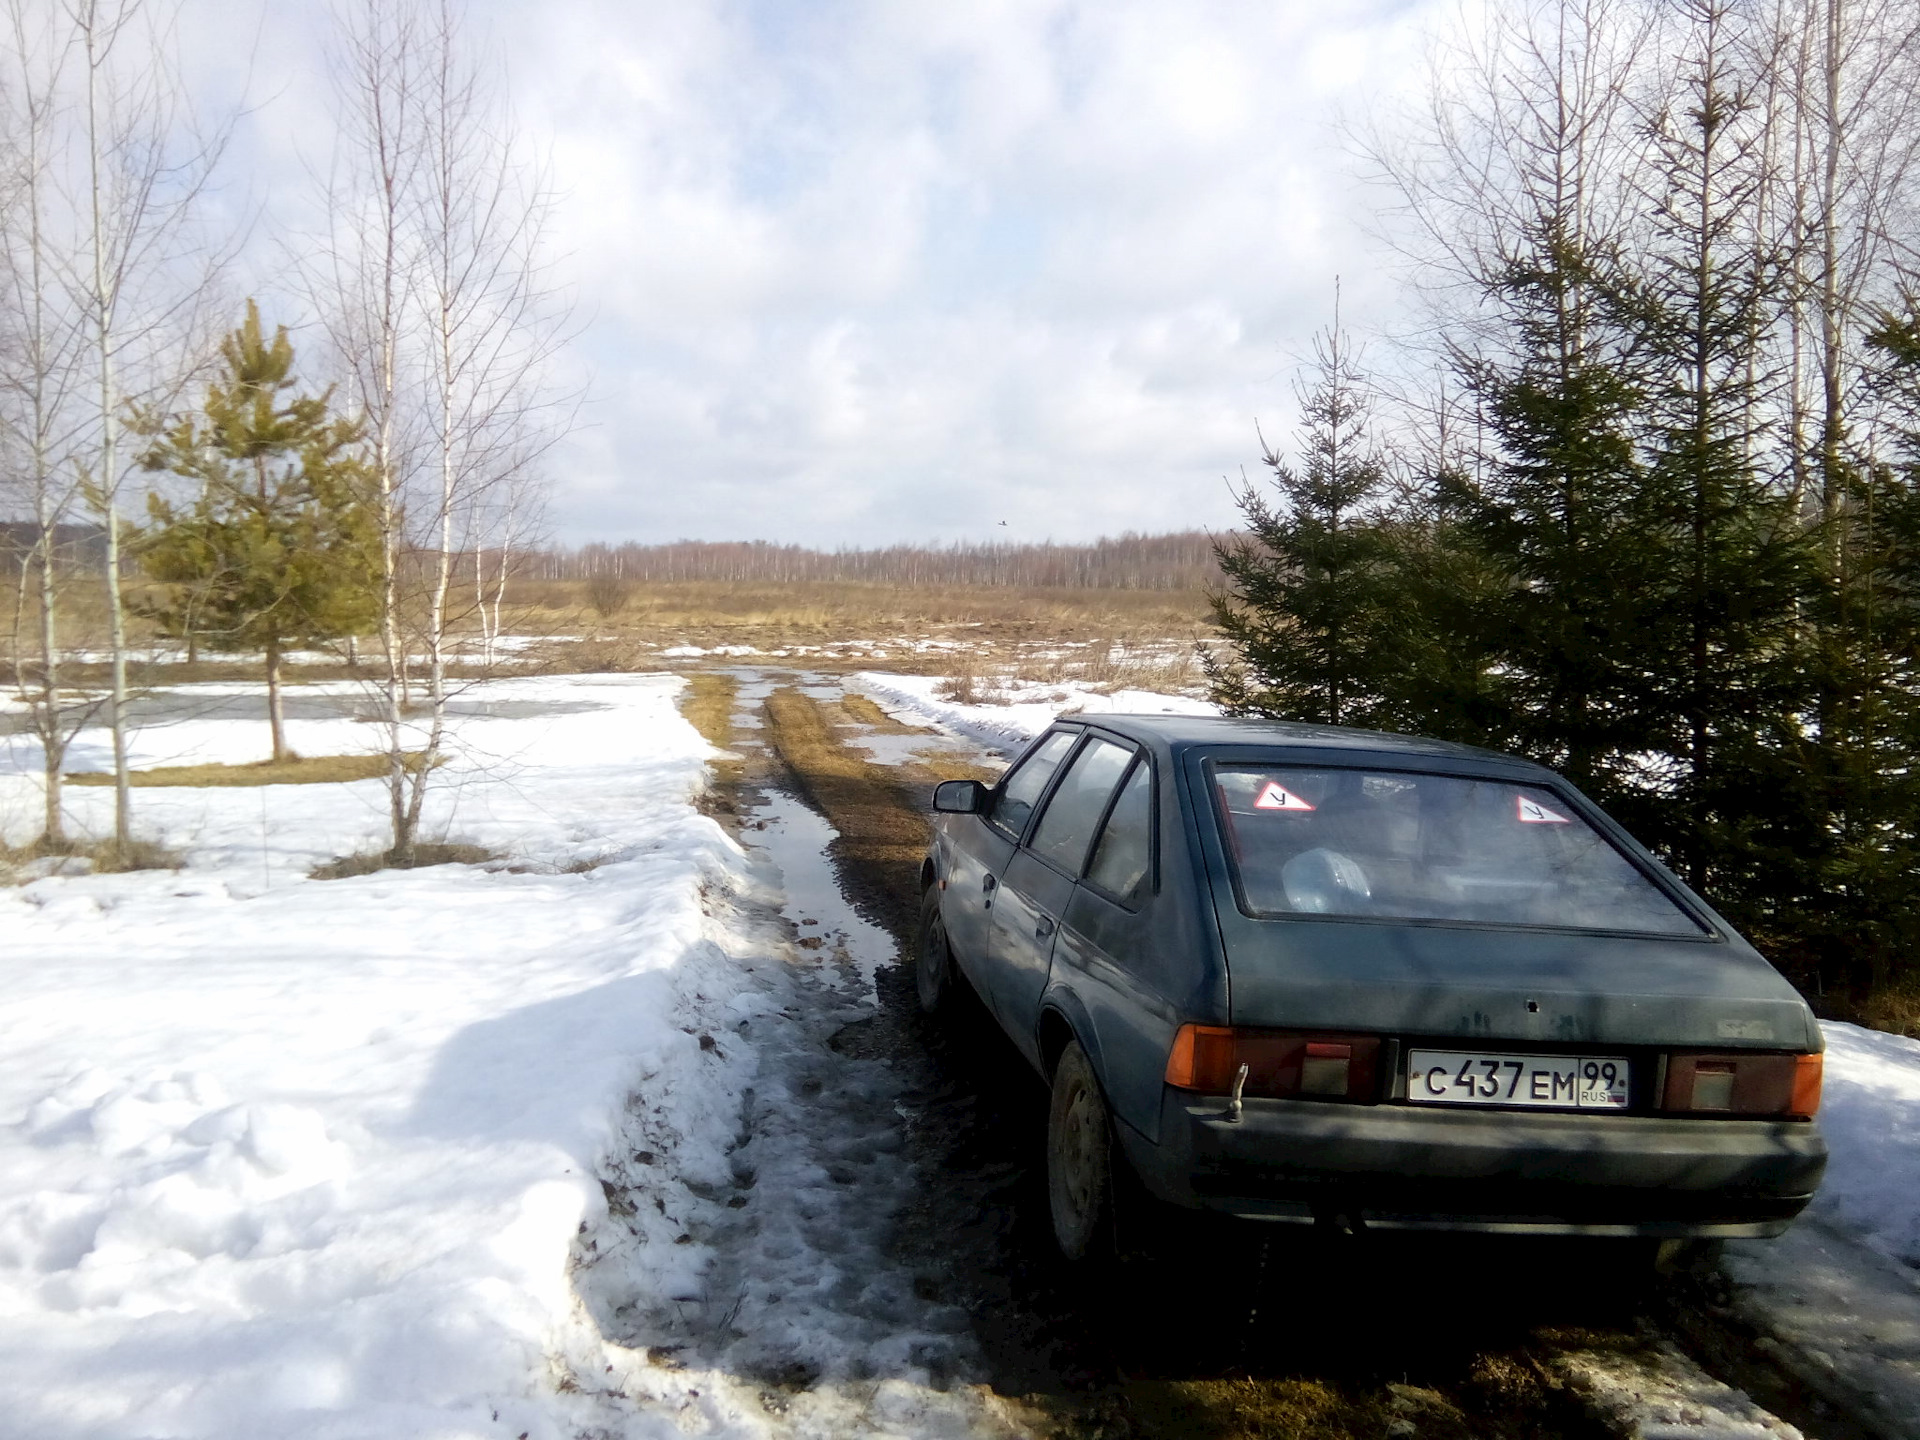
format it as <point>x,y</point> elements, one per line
<point>1077,1143</point>
<point>933,959</point>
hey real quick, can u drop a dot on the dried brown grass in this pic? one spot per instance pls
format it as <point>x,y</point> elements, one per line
<point>101,857</point>
<point>862,710</point>
<point>1895,1009</point>
<point>294,770</point>
<point>367,862</point>
<point>708,705</point>
<point>770,615</point>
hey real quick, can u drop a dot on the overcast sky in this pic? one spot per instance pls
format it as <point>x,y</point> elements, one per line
<point>859,271</point>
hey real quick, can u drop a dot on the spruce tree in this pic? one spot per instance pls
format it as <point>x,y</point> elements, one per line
<point>1726,661</point>
<point>1859,921</point>
<point>279,548</point>
<point>1555,512</point>
<point>1307,608</point>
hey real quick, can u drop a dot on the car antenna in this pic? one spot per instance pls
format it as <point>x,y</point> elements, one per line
<point>1233,1101</point>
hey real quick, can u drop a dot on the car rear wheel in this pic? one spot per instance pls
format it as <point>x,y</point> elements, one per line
<point>1079,1158</point>
<point>933,957</point>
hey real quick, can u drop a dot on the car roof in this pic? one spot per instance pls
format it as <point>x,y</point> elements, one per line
<point>1182,732</point>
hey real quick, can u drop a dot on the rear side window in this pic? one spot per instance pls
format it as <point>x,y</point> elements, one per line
<point>1125,852</point>
<point>1026,782</point>
<point>1066,829</point>
<point>1428,847</point>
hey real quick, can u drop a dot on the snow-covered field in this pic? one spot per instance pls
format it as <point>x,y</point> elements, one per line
<point>290,1157</point>
<point>1025,710</point>
<point>286,1157</point>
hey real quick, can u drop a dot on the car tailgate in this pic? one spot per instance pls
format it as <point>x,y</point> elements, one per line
<point>1507,984</point>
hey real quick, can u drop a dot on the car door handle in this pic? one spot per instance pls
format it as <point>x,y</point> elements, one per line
<point>1042,926</point>
<point>987,883</point>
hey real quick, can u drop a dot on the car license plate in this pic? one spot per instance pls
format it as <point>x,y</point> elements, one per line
<point>1550,1082</point>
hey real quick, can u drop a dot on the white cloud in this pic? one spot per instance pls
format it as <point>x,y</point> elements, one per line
<point>857,270</point>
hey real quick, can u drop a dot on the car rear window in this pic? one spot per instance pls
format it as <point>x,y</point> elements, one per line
<point>1428,847</point>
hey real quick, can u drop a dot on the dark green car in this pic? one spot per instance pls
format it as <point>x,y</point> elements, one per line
<point>1290,972</point>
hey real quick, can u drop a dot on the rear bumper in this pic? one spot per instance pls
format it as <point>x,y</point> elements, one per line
<point>1411,1167</point>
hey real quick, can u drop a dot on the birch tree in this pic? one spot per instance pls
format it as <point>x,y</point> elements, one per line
<point>490,321</point>
<point>107,273</point>
<point>42,368</point>
<point>141,273</point>
<point>441,313</point>
<point>361,286</point>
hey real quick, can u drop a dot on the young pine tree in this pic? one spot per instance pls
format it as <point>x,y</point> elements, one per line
<point>1308,604</point>
<point>279,548</point>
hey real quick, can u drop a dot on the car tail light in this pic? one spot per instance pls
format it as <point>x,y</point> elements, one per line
<point>1808,1072</point>
<point>1338,1067</point>
<point>1743,1084</point>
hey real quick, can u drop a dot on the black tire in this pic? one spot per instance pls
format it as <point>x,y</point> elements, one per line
<point>933,973</point>
<point>1079,1160</point>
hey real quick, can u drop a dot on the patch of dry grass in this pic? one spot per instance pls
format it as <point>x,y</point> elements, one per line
<point>426,853</point>
<point>1139,660</point>
<point>966,686</point>
<point>1895,1009</point>
<point>295,770</point>
<point>863,711</point>
<point>91,857</point>
<point>708,706</point>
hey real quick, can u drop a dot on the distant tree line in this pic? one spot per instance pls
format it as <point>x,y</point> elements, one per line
<point>1656,521</point>
<point>1181,561</point>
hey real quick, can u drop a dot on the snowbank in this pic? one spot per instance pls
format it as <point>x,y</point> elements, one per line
<point>1871,1117</point>
<point>1030,708</point>
<point>291,1157</point>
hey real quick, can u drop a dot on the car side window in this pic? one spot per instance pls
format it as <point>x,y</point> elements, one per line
<point>1023,786</point>
<point>1124,854</point>
<point>1067,824</point>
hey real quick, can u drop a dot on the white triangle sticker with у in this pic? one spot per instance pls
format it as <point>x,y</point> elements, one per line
<point>1532,812</point>
<point>1275,798</point>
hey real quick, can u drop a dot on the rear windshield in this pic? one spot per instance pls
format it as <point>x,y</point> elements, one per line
<point>1428,847</point>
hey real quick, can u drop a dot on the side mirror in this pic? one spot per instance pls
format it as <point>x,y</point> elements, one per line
<point>960,797</point>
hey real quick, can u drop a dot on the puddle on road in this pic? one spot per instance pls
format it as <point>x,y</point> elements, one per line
<point>796,840</point>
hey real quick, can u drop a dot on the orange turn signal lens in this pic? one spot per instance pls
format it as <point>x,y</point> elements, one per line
<point>1808,1072</point>
<point>1200,1058</point>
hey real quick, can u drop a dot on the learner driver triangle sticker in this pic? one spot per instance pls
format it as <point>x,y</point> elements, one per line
<point>1532,812</point>
<point>1276,798</point>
